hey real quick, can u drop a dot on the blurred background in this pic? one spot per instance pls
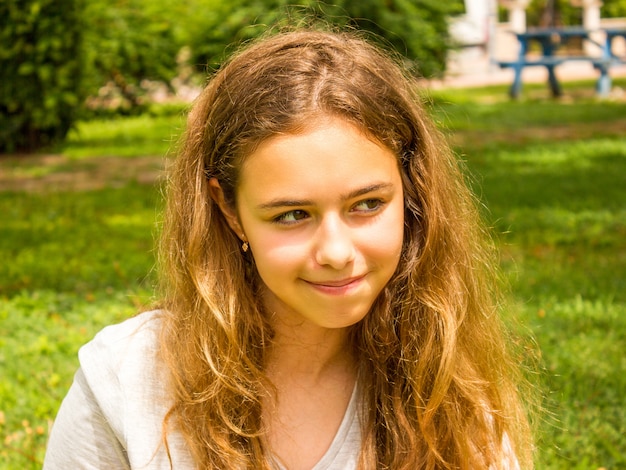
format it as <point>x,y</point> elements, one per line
<point>93,97</point>
<point>69,59</point>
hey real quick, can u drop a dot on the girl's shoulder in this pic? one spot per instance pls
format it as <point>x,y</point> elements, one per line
<point>122,356</point>
<point>128,386</point>
<point>113,414</point>
<point>114,341</point>
<point>124,348</point>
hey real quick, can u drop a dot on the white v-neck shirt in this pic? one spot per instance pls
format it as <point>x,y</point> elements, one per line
<point>343,452</point>
<point>112,415</point>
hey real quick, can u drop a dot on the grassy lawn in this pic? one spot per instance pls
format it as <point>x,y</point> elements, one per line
<point>78,228</point>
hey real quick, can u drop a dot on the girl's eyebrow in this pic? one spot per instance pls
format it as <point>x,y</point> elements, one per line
<point>276,203</point>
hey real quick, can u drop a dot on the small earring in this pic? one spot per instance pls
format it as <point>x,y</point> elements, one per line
<point>245,246</point>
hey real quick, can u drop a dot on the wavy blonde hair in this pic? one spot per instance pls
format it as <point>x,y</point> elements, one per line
<point>439,388</point>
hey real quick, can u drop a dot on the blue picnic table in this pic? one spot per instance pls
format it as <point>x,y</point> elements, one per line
<point>551,41</point>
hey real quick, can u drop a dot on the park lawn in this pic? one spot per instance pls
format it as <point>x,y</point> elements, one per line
<point>551,175</point>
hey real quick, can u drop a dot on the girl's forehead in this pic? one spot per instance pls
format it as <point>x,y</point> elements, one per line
<point>333,157</point>
<point>309,127</point>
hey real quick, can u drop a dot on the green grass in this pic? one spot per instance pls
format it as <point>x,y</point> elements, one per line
<point>153,133</point>
<point>552,175</point>
<point>77,242</point>
<point>74,263</point>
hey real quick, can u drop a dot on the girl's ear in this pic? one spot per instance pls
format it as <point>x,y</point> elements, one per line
<point>217,194</point>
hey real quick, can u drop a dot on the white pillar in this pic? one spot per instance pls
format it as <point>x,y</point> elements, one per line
<point>517,14</point>
<point>591,21</point>
<point>591,13</point>
<point>477,10</point>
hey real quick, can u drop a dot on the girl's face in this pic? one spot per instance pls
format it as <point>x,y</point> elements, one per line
<point>323,212</point>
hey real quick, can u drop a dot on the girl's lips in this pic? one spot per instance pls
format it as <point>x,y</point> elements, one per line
<point>339,286</point>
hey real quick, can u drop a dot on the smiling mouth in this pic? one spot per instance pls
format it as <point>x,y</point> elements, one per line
<point>336,284</point>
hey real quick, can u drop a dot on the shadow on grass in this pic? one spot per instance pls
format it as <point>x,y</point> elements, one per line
<point>560,211</point>
<point>78,241</point>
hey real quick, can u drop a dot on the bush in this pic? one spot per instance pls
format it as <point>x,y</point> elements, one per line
<point>568,13</point>
<point>40,72</point>
<point>127,42</point>
<point>614,8</point>
<point>416,29</point>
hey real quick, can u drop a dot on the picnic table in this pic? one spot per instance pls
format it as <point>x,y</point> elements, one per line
<point>550,55</point>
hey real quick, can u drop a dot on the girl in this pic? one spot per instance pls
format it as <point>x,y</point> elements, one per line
<point>328,290</point>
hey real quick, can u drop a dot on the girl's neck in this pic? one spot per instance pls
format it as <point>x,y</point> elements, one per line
<point>303,350</point>
<point>309,356</point>
<point>313,378</point>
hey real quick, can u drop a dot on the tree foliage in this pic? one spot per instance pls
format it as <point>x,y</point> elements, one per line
<point>56,52</point>
<point>40,70</point>
<point>417,29</point>
<point>127,41</point>
<point>614,8</point>
<point>568,13</point>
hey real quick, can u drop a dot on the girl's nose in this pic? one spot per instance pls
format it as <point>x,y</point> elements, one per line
<point>334,244</point>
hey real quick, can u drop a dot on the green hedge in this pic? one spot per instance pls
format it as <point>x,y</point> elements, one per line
<point>40,72</point>
<point>614,8</point>
<point>418,29</point>
<point>128,41</point>
<point>567,14</point>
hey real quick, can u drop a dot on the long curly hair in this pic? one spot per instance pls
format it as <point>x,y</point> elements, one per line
<point>439,388</point>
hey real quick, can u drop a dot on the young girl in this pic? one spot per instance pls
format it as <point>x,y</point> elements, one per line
<point>328,297</point>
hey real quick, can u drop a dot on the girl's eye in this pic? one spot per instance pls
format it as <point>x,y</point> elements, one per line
<point>368,205</point>
<point>291,217</point>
